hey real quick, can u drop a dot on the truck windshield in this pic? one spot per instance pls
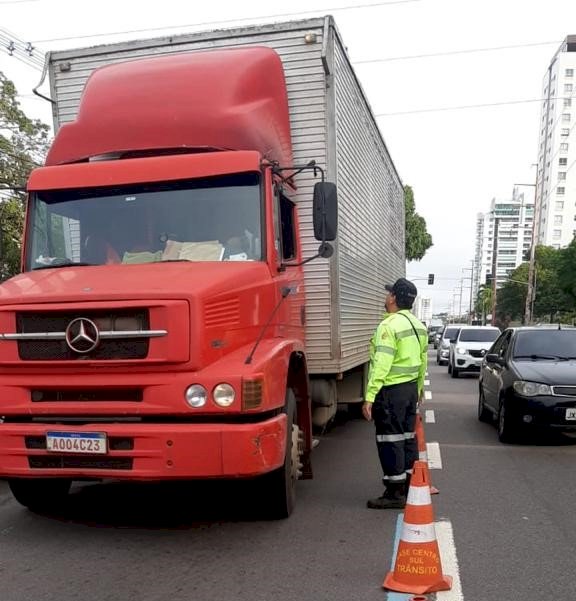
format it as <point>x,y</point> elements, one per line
<point>215,219</point>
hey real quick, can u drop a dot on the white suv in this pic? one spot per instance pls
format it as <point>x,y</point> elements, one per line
<point>471,346</point>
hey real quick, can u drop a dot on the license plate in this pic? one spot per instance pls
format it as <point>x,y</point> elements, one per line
<point>571,414</point>
<point>92,443</point>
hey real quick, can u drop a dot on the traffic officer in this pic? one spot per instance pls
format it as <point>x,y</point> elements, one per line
<point>398,362</point>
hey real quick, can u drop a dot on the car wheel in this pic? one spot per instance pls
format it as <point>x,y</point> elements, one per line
<point>484,415</point>
<point>455,372</point>
<point>449,367</point>
<point>506,430</point>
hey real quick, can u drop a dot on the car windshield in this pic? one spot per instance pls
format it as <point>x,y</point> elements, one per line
<point>451,333</point>
<point>213,219</point>
<point>553,344</point>
<point>478,335</point>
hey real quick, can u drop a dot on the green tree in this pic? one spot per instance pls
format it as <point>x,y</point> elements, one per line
<point>552,298</point>
<point>418,240</point>
<point>567,272</point>
<point>483,304</point>
<point>23,145</point>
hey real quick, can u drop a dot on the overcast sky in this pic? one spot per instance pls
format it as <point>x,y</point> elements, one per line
<point>456,160</point>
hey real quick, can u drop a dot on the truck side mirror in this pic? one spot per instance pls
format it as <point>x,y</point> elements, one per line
<point>325,211</point>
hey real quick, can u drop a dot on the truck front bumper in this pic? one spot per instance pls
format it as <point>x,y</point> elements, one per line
<point>148,451</point>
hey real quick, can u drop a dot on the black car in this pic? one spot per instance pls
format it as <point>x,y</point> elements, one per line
<point>528,379</point>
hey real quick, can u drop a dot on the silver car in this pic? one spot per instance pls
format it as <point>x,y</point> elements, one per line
<point>449,336</point>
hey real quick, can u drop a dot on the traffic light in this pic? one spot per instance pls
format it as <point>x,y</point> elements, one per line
<point>430,279</point>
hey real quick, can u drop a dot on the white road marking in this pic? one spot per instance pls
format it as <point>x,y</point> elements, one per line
<point>426,382</point>
<point>427,395</point>
<point>449,560</point>
<point>430,418</point>
<point>434,457</point>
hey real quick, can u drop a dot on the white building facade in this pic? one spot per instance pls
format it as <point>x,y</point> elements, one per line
<point>513,221</point>
<point>423,309</point>
<point>556,183</point>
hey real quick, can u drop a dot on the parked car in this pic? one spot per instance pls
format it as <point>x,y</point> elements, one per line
<point>528,379</point>
<point>469,348</point>
<point>449,334</point>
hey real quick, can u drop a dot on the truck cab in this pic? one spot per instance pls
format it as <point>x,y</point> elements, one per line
<point>157,329</point>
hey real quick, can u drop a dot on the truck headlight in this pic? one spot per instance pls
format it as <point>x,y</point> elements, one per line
<point>531,388</point>
<point>196,395</point>
<point>223,395</point>
<point>461,350</point>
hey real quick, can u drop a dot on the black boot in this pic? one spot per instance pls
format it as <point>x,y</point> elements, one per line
<point>394,497</point>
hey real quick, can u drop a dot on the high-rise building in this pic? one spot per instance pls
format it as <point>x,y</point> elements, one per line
<point>503,238</point>
<point>556,183</point>
<point>423,309</point>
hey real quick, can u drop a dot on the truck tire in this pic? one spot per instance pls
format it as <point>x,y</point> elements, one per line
<point>42,494</point>
<point>280,485</point>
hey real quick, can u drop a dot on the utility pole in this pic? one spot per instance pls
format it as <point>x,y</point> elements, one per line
<point>471,312</point>
<point>530,292</point>
<point>494,267</point>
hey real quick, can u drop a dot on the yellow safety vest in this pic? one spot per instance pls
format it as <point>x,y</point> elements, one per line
<point>398,353</point>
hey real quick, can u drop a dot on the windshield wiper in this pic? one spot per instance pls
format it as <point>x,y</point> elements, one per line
<point>57,263</point>
<point>550,357</point>
<point>567,358</point>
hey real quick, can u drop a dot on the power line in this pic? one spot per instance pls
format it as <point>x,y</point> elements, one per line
<point>461,107</point>
<point>453,52</point>
<point>227,21</point>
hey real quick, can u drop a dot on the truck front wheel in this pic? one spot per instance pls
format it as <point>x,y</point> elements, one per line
<point>280,485</point>
<point>42,494</point>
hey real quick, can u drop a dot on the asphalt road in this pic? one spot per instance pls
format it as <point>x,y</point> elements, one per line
<point>511,508</point>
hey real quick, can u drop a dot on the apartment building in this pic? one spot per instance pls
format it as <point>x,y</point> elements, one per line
<point>556,185</point>
<point>503,238</point>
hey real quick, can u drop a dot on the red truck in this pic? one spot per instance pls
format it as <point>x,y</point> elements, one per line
<point>170,318</point>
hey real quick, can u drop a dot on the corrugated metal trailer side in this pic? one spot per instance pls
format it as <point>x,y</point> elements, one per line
<point>371,213</point>
<point>331,123</point>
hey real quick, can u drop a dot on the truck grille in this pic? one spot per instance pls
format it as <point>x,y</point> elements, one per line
<point>89,395</point>
<point>76,462</point>
<point>109,349</point>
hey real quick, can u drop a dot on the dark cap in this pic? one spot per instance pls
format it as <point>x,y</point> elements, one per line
<point>404,289</point>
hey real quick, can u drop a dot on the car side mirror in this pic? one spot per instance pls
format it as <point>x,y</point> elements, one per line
<point>494,358</point>
<point>325,211</point>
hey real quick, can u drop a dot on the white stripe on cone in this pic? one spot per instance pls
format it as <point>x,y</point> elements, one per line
<point>419,495</point>
<point>418,533</point>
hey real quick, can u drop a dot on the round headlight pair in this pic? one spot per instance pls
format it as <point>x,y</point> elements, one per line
<point>196,395</point>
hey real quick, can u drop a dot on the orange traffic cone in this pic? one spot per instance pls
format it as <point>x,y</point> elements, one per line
<point>422,452</point>
<point>417,568</point>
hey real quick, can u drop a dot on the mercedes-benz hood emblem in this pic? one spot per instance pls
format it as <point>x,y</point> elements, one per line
<point>82,335</point>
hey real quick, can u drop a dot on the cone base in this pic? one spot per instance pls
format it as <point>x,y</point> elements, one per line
<point>443,584</point>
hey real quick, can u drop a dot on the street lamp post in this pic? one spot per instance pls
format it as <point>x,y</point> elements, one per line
<point>494,268</point>
<point>530,292</point>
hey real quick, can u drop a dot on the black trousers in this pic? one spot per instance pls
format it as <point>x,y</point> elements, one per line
<point>394,415</point>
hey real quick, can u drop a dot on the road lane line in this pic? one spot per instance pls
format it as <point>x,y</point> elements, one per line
<point>426,382</point>
<point>427,395</point>
<point>430,418</point>
<point>450,567</point>
<point>434,457</point>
